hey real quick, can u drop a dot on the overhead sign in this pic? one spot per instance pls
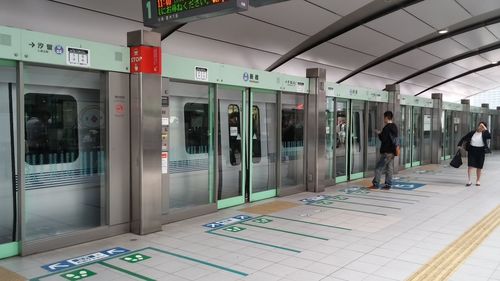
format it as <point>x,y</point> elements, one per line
<point>65,264</point>
<point>227,221</point>
<point>164,12</point>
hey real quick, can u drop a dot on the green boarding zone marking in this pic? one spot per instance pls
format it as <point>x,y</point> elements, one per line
<point>135,258</point>
<point>234,228</point>
<point>78,274</point>
<point>130,257</point>
<point>262,220</point>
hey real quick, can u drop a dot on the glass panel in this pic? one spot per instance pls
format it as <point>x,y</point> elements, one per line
<point>7,188</point>
<point>292,140</point>
<point>357,136</point>
<point>65,166</point>
<point>373,143</point>
<point>264,137</point>
<point>416,134</point>
<point>230,143</point>
<point>448,129</point>
<point>189,128</point>
<point>341,137</point>
<point>330,137</point>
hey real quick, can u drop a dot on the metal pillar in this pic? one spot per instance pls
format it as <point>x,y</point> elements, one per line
<point>437,128</point>
<point>316,130</point>
<point>145,92</point>
<point>394,105</point>
<point>496,130</point>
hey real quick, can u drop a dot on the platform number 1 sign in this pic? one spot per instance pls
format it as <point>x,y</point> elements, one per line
<point>148,8</point>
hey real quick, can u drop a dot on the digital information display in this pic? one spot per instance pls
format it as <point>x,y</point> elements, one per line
<point>163,12</point>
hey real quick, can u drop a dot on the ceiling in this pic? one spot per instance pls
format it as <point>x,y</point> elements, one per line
<point>258,37</point>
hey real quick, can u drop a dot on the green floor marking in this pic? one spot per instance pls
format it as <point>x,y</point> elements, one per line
<point>363,204</point>
<point>125,271</point>
<point>262,220</point>
<point>340,197</point>
<point>286,231</point>
<point>409,194</point>
<point>346,209</point>
<point>234,228</point>
<point>200,261</point>
<point>385,198</point>
<point>135,258</point>
<point>324,202</point>
<point>308,222</point>
<point>254,242</point>
<point>78,274</point>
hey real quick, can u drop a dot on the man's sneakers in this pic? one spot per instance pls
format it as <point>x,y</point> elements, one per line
<point>385,187</point>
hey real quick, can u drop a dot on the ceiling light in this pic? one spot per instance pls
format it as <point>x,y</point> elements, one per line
<point>494,62</point>
<point>443,31</point>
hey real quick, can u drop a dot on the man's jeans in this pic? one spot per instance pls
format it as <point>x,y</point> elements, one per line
<point>384,165</point>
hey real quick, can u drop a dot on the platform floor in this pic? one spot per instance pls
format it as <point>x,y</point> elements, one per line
<point>442,229</point>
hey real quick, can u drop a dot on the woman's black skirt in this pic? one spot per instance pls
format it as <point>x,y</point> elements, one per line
<point>476,157</point>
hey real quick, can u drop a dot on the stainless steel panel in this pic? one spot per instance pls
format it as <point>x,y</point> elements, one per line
<point>143,37</point>
<point>70,239</point>
<point>21,151</point>
<point>183,214</point>
<point>118,143</point>
<point>146,152</point>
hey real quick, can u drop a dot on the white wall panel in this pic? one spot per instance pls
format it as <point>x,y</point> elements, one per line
<point>54,18</point>
<point>368,41</point>
<point>439,13</point>
<point>401,25</point>
<point>247,32</point>
<point>297,15</point>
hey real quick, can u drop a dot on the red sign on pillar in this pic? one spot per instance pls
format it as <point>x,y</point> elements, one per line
<point>145,59</point>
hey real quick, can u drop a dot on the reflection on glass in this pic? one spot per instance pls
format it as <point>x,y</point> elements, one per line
<point>264,133</point>
<point>330,137</point>
<point>341,137</point>
<point>7,188</point>
<point>357,136</point>
<point>230,144</point>
<point>189,146</point>
<point>292,140</point>
<point>427,144</point>
<point>65,151</point>
<point>373,143</point>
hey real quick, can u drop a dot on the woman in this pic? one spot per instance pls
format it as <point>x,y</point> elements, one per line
<point>476,144</point>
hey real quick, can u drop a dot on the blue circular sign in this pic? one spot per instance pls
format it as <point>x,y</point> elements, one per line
<point>245,76</point>
<point>59,49</point>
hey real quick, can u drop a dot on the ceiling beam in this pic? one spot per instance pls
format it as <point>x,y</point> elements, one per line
<point>367,13</point>
<point>478,51</point>
<point>484,67</point>
<point>476,22</point>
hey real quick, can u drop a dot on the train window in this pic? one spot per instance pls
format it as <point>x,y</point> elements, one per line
<point>51,129</point>
<point>256,149</point>
<point>293,127</point>
<point>196,127</point>
<point>233,112</point>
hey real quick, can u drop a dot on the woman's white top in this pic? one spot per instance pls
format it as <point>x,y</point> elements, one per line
<point>477,140</point>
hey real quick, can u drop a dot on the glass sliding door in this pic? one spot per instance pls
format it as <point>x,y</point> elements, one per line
<point>427,135</point>
<point>65,160</point>
<point>341,140</point>
<point>357,140</point>
<point>417,131</point>
<point>373,143</point>
<point>263,140</point>
<point>190,161</point>
<point>330,140</point>
<point>231,103</point>
<point>8,194</point>
<point>292,142</point>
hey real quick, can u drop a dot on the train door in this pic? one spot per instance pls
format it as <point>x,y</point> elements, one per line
<point>405,137</point>
<point>8,194</point>
<point>231,154</point>
<point>357,140</point>
<point>447,134</point>
<point>292,164</point>
<point>263,141</point>
<point>372,140</point>
<point>427,135</point>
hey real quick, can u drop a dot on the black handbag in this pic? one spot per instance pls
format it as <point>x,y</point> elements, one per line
<point>456,162</point>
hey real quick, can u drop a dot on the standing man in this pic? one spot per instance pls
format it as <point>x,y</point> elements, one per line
<point>385,164</point>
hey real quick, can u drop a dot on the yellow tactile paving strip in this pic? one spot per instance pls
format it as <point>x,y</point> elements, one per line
<point>444,264</point>
<point>6,275</point>
<point>272,207</point>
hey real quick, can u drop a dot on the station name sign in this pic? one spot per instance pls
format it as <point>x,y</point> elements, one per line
<point>157,13</point>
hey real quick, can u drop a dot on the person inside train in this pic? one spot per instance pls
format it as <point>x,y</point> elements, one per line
<point>385,165</point>
<point>476,144</point>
